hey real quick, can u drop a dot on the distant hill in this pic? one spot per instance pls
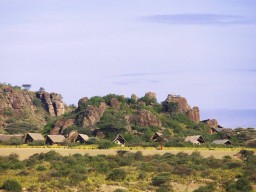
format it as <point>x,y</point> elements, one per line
<point>103,118</point>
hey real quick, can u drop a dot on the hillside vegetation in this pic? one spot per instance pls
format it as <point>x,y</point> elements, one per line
<point>103,118</point>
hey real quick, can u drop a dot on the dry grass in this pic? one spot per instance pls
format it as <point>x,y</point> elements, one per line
<point>24,153</point>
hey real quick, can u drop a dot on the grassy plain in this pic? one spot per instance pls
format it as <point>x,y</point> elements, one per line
<point>26,151</point>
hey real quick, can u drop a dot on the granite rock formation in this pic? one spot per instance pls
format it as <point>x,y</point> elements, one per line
<point>61,125</point>
<point>93,114</point>
<point>146,118</point>
<point>213,123</point>
<point>183,107</point>
<point>52,103</point>
<point>114,103</point>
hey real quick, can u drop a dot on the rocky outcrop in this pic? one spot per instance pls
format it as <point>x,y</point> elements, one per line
<point>93,114</point>
<point>183,107</point>
<point>82,102</point>
<point>61,125</point>
<point>194,114</point>
<point>134,98</point>
<point>150,95</point>
<point>146,118</point>
<point>20,107</point>
<point>52,103</point>
<point>114,103</point>
<point>213,123</point>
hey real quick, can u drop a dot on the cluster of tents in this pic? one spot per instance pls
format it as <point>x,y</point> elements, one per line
<point>83,138</point>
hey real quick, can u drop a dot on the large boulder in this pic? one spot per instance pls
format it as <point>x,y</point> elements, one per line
<point>213,123</point>
<point>134,98</point>
<point>146,118</point>
<point>52,102</point>
<point>61,125</point>
<point>93,114</point>
<point>150,95</point>
<point>194,114</point>
<point>82,102</point>
<point>183,107</point>
<point>114,103</point>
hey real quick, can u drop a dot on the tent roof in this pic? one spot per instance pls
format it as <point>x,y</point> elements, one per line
<point>36,136</point>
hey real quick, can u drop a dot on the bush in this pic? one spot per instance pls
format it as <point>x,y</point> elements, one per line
<point>117,175</point>
<point>12,185</point>
<point>165,188</point>
<point>243,184</point>
<point>37,102</point>
<point>207,188</point>
<point>36,143</point>
<point>105,144</point>
<point>161,179</point>
<point>41,168</point>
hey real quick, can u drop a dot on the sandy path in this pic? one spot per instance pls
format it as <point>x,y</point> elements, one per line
<point>24,153</point>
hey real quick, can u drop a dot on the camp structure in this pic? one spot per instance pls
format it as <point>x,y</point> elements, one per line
<point>54,139</point>
<point>196,139</point>
<point>33,137</point>
<point>216,130</point>
<point>222,142</point>
<point>82,138</point>
<point>119,140</point>
<point>158,137</point>
<point>5,138</point>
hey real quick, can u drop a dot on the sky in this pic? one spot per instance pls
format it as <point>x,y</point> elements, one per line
<point>201,50</point>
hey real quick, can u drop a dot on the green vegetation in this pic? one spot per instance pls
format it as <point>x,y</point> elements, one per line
<point>12,185</point>
<point>129,171</point>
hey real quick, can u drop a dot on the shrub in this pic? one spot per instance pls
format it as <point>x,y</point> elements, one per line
<point>182,170</point>
<point>8,111</point>
<point>120,190</point>
<point>41,168</point>
<point>138,156</point>
<point>165,188</point>
<point>243,184</point>
<point>76,178</point>
<point>105,144</point>
<point>36,143</point>
<point>161,179</point>
<point>117,175</point>
<point>37,102</point>
<point>12,185</point>
<point>207,188</point>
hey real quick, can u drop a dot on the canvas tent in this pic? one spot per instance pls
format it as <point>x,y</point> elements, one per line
<point>32,137</point>
<point>119,140</point>
<point>196,139</point>
<point>222,142</point>
<point>54,139</point>
<point>82,138</point>
<point>158,137</point>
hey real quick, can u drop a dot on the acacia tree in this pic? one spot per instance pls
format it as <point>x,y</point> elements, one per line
<point>41,89</point>
<point>26,86</point>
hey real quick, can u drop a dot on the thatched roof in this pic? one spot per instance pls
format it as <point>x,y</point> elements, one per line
<point>84,137</point>
<point>35,136</point>
<point>222,142</point>
<point>4,137</point>
<point>195,139</point>
<point>56,138</point>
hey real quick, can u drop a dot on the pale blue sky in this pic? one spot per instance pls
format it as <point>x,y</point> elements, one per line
<point>202,50</point>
